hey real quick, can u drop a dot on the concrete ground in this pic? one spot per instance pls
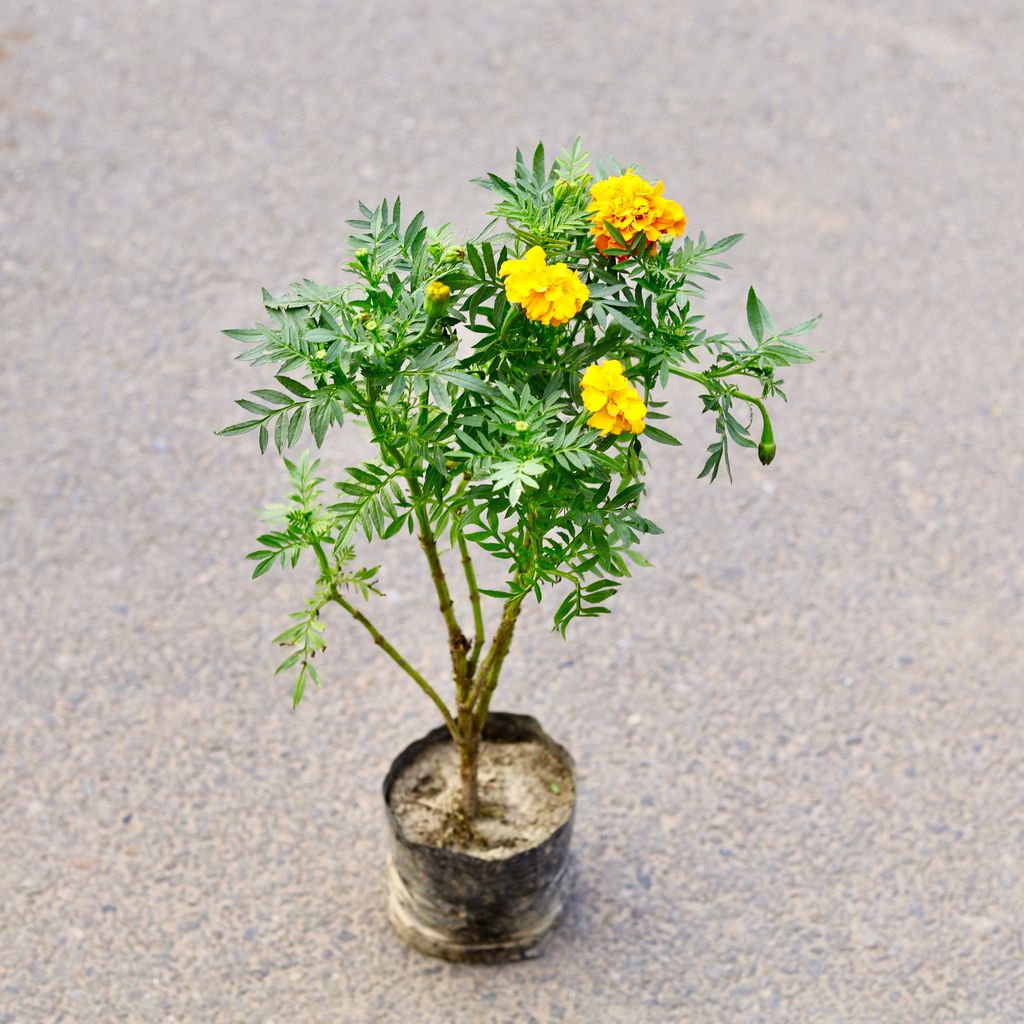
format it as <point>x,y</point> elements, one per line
<point>799,738</point>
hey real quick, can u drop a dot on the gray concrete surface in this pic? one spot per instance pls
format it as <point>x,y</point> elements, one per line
<point>799,738</point>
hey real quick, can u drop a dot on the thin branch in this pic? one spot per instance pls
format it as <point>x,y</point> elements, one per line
<point>487,678</point>
<point>382,643</point>
<point>457,642</point>
<point>474,600</point>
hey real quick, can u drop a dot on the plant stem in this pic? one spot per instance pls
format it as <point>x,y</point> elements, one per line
<point>383,644</point>
<point>469,763</point>
<point>487,677</point>
<point>700,378</point>
<point>474,600</point>
<point>457,642</point>
<point>470,574</point>
<point>391,456</point>
<point>753,401</point>
<point>380,640</point>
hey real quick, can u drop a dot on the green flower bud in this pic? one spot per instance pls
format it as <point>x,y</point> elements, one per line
<point>371,324</point>
<point>522,426</point>
<point>320,353</point>
<point>436,299</point>
<point>361,253</point>
<point>563,189</point>
<point>453,254</point>
<point>766,449</point>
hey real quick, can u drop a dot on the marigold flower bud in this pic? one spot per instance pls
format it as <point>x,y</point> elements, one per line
<point>766,449</point>
<point>522,426</point>
<point>563,188</point>
<point>436,299</point>
<point>361,253</point>
<point>320,353</point>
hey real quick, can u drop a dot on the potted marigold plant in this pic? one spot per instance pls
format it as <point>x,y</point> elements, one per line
<point>509,384</point>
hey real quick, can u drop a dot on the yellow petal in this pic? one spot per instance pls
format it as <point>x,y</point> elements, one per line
<point>602,421</point>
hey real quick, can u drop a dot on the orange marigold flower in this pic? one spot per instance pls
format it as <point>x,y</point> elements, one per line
<point>551,294</point>
<point>616,405</point>
<point>632,206</point>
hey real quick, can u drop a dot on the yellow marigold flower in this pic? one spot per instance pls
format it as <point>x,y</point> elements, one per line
<point>615,403</point>
<point>632,206</point>
<point>550,294</point>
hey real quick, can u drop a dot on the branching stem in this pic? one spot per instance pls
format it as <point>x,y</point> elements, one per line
<point>457,642</point>
<point>474,600</point>
<point>380,640</point>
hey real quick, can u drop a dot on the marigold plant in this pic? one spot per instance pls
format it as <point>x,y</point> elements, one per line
<point>510,385</point>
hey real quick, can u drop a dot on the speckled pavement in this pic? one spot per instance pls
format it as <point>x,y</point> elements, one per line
<point>799,738</point>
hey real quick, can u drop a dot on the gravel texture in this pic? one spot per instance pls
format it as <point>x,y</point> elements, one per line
<point>799,740</point>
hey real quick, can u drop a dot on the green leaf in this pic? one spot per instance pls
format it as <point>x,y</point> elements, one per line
<point>620,317</point>
<point>467,382</point>
<point>274,397</point>
<point>263,566</point>
<point>476,262</point>
<point>661,436</point>
<point>239,428</point>
<point>295,425</point>
<point>300,687</point>
<point>539,167</point>
<point>319,420</point>
<point>411,231</point>
<point>737,431</point>
<point>723,244</point>
<point>805,328</point>
<point>294,386</point>
<point>759,319</point>
<point>288,662</point>
<point>248,406</point>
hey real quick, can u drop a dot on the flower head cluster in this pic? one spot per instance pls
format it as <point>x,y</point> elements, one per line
<point>632,206</point>
<point>616,405</point>
<point>551,294</point>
